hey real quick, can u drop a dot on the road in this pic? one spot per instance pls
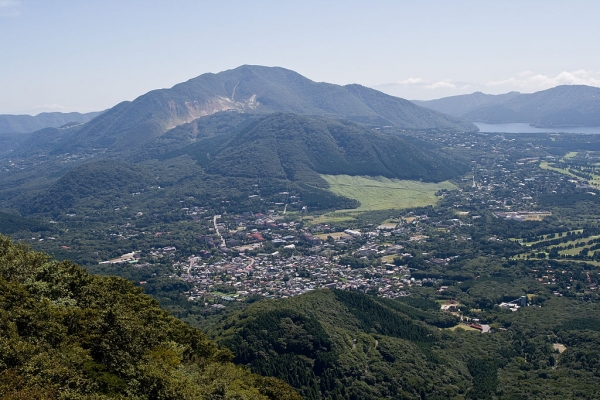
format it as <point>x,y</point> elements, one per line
<point>217,230</point>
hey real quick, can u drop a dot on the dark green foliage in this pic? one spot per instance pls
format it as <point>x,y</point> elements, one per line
<point>566,199</point>
<point>421,309</point>
<point>280,343</point>
<point>96,183</point>
<point>67,334</point>
<point>325,345</point>
<point>10,141</point>
<point>580,324</point>
<point>298,148</point>
<point>10,224</point>
<point>485,378</point>
<point>376,317</point>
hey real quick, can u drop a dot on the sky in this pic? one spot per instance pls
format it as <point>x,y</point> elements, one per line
<point>88,55</point>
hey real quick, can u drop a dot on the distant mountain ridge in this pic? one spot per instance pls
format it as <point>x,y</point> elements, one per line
<point>561,106</point>
<point>465,103</point>
<point>248,89</point>
<point>27,123</point>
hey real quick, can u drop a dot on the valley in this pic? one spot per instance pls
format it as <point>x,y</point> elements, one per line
<point>349,256</point>
<point>508,228</point>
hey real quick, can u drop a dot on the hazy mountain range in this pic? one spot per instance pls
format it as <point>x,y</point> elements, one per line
<point>28,123</point>
<point>561,106</point>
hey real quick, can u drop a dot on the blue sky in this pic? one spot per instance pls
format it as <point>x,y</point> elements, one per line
<point>84,55</point>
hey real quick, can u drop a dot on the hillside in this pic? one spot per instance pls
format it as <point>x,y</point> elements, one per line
<point>561,106</point>
<point>297,148</point>
<point>67,334</point>
<point>248,89</point>
<point>230,151</point>
<point>93,185</point>
<point>347,345</point>
<point>28,123</point>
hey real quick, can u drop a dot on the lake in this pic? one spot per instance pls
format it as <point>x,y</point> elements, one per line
<point>526,128</point>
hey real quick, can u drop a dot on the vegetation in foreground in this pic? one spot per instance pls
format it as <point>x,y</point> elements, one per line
<point>65,334</point>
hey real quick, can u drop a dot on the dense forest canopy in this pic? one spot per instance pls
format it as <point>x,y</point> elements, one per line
<point>67,334</point>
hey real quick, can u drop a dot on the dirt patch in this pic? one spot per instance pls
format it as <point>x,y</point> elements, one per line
<point>559,347</point>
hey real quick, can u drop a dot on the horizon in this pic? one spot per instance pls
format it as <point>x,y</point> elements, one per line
<point>89,56</point>
<point>463,94</point>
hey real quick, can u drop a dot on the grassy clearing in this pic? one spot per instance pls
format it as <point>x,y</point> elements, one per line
<point>546,165</point>
<point>379,193</point>
<point>329,218</point>
<point>571,154</point>
<point>545,238</point>
<point>573,251</point>
<point>524,257</point>
<point>335,235</point>
<point>537,216</point>
<point>595,181</point>
<point>388,259</point>
<point>463,326</point>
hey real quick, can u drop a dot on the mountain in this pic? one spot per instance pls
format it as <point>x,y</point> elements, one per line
<point>27,123</point>
<point>68,334</point>
<point>561,106</point>
<point>299,148</point>
<point>248,89</point>
<point>465,103</point>
<point>232,152</point>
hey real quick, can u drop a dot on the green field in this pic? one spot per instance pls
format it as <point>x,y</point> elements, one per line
<point>379,193</point>
<point>546,165</point>
<point>595,178</point>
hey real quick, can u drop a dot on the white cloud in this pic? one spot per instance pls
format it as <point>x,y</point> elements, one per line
<point>10,8</point>
<point>423,83</point>
<point>530,81</point>
<point>446,84</point>
<point>525,82</point>
<point>411,81</point>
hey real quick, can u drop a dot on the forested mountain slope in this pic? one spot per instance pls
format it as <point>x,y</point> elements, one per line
<point>231,152</point>
<point>67,334</point>
<point>347,345</point>
<point>298,148</point>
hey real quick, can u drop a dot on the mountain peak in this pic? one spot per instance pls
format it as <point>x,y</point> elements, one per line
<point>250,89</point>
